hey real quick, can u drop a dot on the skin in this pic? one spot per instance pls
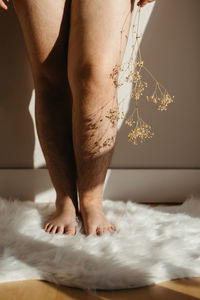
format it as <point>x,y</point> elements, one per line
<point>139,3</point>
<point>144,2</point>
<point>71,72</point>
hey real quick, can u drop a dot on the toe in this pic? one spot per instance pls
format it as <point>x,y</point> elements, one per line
<point>60,229</point>
<point>91,230</point>
<point>53,230</point>
<point>49,227</point>
<point>99,231</point>
<point>45,226</point>
<point>69,230</point>
<point>113,227</point>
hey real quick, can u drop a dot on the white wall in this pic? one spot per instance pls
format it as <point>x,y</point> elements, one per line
<point>170,47</point>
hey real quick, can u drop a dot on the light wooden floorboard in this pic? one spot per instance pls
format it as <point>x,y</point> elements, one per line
<point>182,289</point>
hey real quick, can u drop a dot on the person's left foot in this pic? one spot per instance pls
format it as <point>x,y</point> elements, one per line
<point>95,222</point>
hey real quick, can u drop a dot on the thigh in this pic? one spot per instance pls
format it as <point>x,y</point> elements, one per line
<point>98,32</point>
<point>44,26</point>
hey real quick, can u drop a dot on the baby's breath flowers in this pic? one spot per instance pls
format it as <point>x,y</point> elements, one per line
<point>113,114</point>
<point>162,101</point>
<point>141,131</point>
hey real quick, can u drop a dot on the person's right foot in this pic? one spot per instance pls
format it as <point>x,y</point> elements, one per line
<point>64,219</point>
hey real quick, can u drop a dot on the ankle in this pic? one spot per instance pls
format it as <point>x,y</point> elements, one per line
<point>62,201</point>
<point>91,202</point>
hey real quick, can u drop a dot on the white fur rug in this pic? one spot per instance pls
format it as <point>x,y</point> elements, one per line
<point>151,245</point>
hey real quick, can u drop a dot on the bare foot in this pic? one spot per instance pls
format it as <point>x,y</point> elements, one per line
<point>64,219</point>
<point>94,219</point>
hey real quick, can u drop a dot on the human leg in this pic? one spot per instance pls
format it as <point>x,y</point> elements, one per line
<point>95,47</point>
<point>45,29</point>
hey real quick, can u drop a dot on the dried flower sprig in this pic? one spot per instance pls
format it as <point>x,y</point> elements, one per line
<point>160,97</point>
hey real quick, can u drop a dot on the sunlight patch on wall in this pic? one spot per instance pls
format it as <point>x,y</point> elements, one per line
<point>125,90</point>
<point>38,157</point>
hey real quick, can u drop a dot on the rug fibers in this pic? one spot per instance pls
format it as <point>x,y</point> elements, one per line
<point>151,245</point>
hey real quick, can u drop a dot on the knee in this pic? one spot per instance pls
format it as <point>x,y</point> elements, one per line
<point>50,79</point>
<point>89,75</point>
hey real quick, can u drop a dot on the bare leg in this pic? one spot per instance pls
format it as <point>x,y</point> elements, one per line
<point>45,26</point>
<point>94,49</point>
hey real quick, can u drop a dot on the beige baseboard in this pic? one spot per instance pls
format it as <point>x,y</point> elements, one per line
<point>140,185</point>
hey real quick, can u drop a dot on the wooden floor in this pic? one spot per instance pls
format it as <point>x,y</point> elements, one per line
<point>181,289</point>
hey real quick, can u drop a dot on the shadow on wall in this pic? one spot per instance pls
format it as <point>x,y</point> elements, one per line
<point>17,127</point>
<point>170,48</point>
<point>16,130</point>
